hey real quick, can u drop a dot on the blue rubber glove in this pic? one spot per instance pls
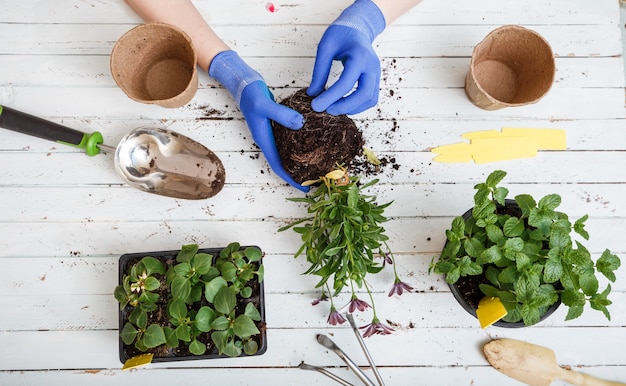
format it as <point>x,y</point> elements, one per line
<point>349,39</point>
<point>257,104</point>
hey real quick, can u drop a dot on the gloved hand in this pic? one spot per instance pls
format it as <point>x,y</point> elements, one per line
<point>349,39</point>
<point>258,107</point>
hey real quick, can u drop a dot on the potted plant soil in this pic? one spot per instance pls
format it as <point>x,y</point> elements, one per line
<point>523,253</point>
<point>324,141</point>
<point>192,303</point>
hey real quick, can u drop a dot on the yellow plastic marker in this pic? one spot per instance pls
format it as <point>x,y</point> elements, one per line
<point>510,143</point>
<point>137,361</point>
<point>547,139</point>
<point>490,310</point>
<point>502,149</point>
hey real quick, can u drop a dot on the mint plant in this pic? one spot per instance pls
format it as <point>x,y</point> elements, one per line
<point>343,242</point>
<point>527,253</point>
<point>202,300</point>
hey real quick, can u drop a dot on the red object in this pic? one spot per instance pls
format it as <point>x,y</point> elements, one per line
<point>270,7</point>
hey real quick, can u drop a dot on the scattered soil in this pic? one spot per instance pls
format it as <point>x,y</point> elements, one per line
<point>324,141</point>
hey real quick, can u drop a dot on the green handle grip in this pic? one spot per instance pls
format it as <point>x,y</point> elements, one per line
<point>37,127</point>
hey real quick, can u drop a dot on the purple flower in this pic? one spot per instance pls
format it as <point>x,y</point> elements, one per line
<point>335,317</point>
<point>399,287</point>
<point>376,327</point>
<point>357,304</point>
<point>387,259</point>
<point>317,301</point>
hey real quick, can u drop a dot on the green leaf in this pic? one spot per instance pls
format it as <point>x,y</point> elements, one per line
<point>513,227</point>
<point>148,297</point>
<point>489,290</point>
<point>334,251</point>
<point>526,203</point>
<point>607,264</point>
<point>128,334</point>
<point>490,255</point>
<point>353,196</point>
<point>211,288</point>
<point>560,239</point>
<point>530,314</point>
<point>250,347</point>
<point>220,338</point>
<point>245,292</point>
<point>186,253</point>
<point>204,318</point>
<point>253,254</point>
<point>553,269</point>
<point>244,327</point>
<point>252,312</point>
<point>499,194</point>
<point>572,298</point>
<point>515,244</point>
<point>121,296</point>
<point>177,309</point>
<point>181,287</point>
<point>151,283</point>
<point>171,340</point>
<point>550,202</point>
<point>579,227</point>
<point>183,332</point>
<point>196,347</point>
<point>458,227</point>
<point>154,336</point>
<point>574,312</point>
<point>225,300</point>
<point>220,323</point>
<point>229,271</point>
<point>494,233</point>
<point>491,273</point>
<point>588,283</point>
<point>495,178</point>
<point>231,350</point>
<point>202,262</point>
<point>153,265</point>
<point>473,247</point>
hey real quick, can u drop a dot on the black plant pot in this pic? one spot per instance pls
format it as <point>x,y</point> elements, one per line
<point>166,354</point>
<point>469,301</point>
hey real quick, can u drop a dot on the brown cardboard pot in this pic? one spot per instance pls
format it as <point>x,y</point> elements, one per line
<point>155,63</point>
<point>512,66</point>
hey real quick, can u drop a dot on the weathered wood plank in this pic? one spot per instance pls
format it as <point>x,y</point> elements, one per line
<point>418,376</point>
<point>408,235</point>
<point>390,136</point>
<point>439,72</point>
<point>245,12</point>
<point>433,347</point>
<point>409,200</point>
<point>279,40</point>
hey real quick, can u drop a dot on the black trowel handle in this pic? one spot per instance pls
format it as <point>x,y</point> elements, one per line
<point>20,122</point>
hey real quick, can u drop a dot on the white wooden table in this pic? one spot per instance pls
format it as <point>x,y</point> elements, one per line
<point>65,218</point>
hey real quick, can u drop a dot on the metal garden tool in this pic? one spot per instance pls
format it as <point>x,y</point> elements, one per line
<point>154,160</point>
<point>365,350</point>
<point>329,344</point>
<point>534,365</point>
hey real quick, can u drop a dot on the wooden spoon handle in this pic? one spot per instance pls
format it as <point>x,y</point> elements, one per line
<point>580,379</point>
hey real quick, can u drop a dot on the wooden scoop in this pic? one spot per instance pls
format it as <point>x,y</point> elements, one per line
<point>534,365</point>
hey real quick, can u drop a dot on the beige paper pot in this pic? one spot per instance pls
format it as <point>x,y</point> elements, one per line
<point>511,66</point>
<point>155,63</point>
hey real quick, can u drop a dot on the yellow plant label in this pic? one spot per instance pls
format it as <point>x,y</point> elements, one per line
<point>137,361</point>
<point>510,143</point>
<point>489,311</point>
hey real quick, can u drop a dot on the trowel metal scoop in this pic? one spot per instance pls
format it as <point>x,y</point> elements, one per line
<point>153,160</point>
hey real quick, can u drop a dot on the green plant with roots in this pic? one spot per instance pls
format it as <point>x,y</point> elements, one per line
<point>529,257</point>
<point>343,241</point>
<point>203,299</point>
